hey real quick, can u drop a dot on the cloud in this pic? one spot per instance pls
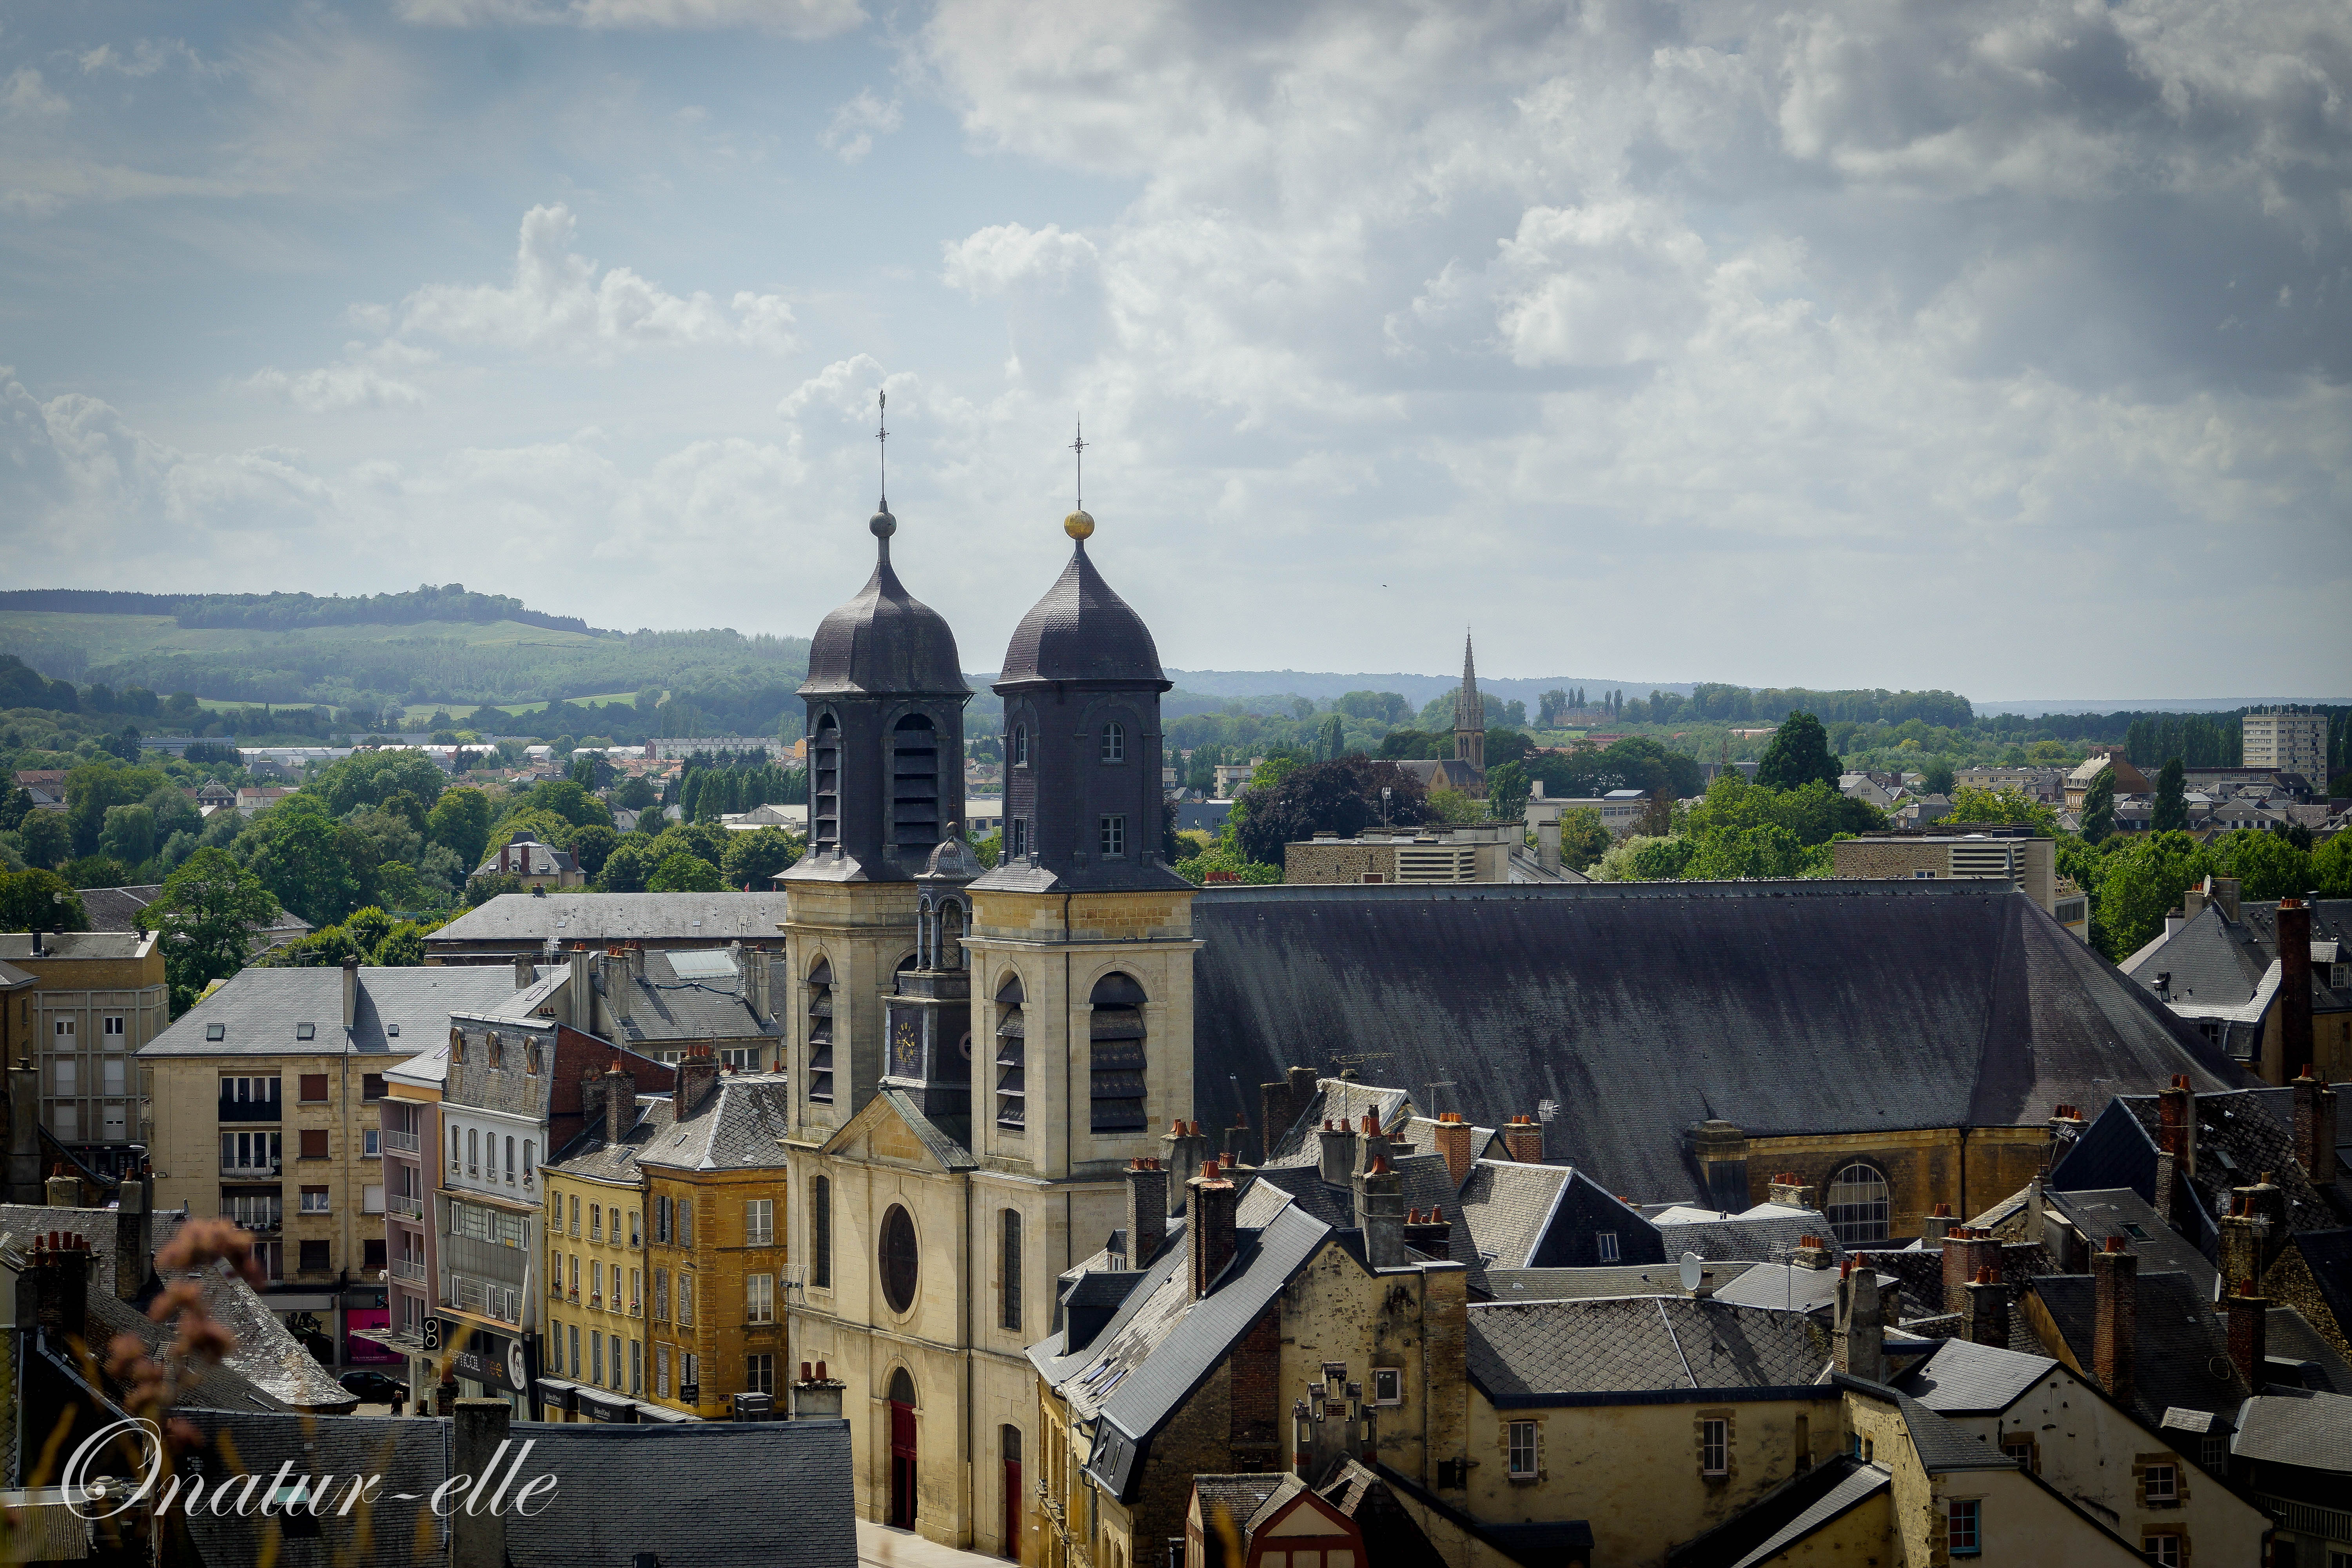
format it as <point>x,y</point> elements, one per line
<point>561,303</point>
<point>25,95</point>
<point>144,58</point>
<point>854,124</point>
<point>793,18</point>
<point>352,382</point>
<point>999,259</point>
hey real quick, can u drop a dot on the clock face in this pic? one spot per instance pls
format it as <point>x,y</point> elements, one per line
<point>905,1046</point>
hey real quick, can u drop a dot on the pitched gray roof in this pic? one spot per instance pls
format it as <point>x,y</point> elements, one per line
<point>1784,1007</point>
<point>1612,1279</point>
<point>1768,1230</point>
<point>1337,1099</point>
<point>740,1125</point>
<point>1525,1353</point>
<point>1502,1208</point>
<point>2296,1426</point>
<point>401,1012</point>
<point>1785,1515</point>
<point>592,1159</point>
<point>117,909</point>
<point>1773,1285</point>
<point>1963,1378</point>
<point>667,1006</point>
<point>688,919</point>
<point>2183,1353</point>
<point>410,1455</point>
<point>511,1084</point>
<point>1939,1445</point>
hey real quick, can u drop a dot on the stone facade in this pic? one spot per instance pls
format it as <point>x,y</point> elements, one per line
<point>595,1241</point>
<point>96,998</point>
<point>2027,863</point>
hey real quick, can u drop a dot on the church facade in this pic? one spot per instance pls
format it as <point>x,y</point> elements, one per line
<point>976,1055</point>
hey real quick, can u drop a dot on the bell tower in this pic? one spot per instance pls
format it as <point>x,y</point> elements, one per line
<point>1082,935</point>
<point>885,699</point>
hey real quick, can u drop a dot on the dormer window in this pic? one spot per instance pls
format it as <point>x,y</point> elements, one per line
<point>215,1031</point>
<point>306,1031</point>
<point>1114,743</point>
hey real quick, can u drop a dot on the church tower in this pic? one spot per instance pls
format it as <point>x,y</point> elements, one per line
<point>885,699</point>
<point>1469,714</point>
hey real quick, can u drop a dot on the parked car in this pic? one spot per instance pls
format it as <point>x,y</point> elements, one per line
<point>370,1387</point>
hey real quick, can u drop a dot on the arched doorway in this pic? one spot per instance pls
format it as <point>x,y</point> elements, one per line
<point>902,1449</point>
<point>1010,1439</point>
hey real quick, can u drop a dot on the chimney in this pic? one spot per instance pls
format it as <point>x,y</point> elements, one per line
<point>2225,893</point>
<point>1524,1137</point>
<point>2176,1147</point>
<point>1790,1192</point>
<point>2294,985</point>
<point>1373,1144</point>
<point>1146,1211</point>
<point>2249,1334</point>
<point>1985,1317</point>
<point>1722,1151</point>
<point>763,983</point>
<point>1966,1252</point>
<point>1428,1232</point>
<point>1237,1140</point>
<point>24,1132</point>
<point>580,991</point>
<point>2115,1318</point>
<point>1812,1253</point>
<point>2174,919</point>
<point>526,973</point>
<point>1338,1165</point>
<point>816,1397</point>
<point>620,1102</point>
<point>1379,1209</point>
<point>1454,1142</point>
<point>134,1232</point>
<point>59,1264</point>
<point>1281,1104</point>
<point>2315,1126</point>
<point>350,993</point>
<point>697,1075</point>
<point>1182,1161</point>
<point>1935,1226</point>
<point>620,994</point>
<point>478,1448</point>
<point>2065,1126</point>
<point>1547,837</point>
<point>64,1192</point>
<point>1861,1338</point>
<point>1210,1227</point>
<point>2193,901</point>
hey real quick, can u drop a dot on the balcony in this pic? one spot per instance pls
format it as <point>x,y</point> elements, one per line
<point>268,1173</point>
<point>260,1222</point>
<point>405,1206</point>
<point>401,1143</point>
<point>403,1268</point>
<point>252,1111</point>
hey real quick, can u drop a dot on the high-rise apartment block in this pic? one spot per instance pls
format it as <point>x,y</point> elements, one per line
<point>2291,742</point>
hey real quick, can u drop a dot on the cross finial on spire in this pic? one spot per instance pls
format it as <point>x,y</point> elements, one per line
<point>1080,447</point>
<point>882,439</point>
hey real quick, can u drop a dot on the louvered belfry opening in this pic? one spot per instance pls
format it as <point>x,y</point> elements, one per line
<point>820,1033</point>
<point>824,786</point>
<point>1011,1092</point>
<point>914,785</point>
<point>1116,1070</point>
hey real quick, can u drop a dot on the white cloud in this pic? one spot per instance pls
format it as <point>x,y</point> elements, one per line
<point>559,302</point>
<point>144,58</point>
<point>854,125</point>
<point>352,382</point>
<point>793,18</point>
<point>1008,255</point>
<point>25,94</point>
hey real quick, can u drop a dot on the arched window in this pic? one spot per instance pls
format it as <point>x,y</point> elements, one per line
<point>900,1257</point>
<point>473,1151</point>
<point>950,935</point>
<point>453,1148</point>
<point>1116,1071</point>
<point>1860,1204</point>
<point>1010,1292</point>
<point>820,1233</point>
<point>902,1387</point>
<point>510,1161</point>
<point>1012,1091</point>
<point>820,1033</point>
<point>824,786</point>
<point>529,1160</point>
<point>1019,754</point>
<point>1114,741</point>
<point>914,783</point>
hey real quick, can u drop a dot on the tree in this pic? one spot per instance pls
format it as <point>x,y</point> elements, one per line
<point>2331,867</point>
<point>1453,806</point>
<point>2171,813</point>
<point>316,867</point>
<point>1644,859</point>
<point>2006,805</point>
<point>461,819</point>
<point>630,863</point>
<point>2099,807</point>
<point>368,927</point>
<point>684,873</point>
<point>753,857</point>
<point>1342,797</point>
<point>14,809</point>
<point>206,916</point>
<point>2265,864</point>
<point>1331,738</point>
<point>48,839</point>
<point>636,794</point>
<point>484,885</point>
<point>1583,837</point>
<point>1766,850</point>
<point>402,947</point>
<point>2144,882</point>
<point>1936,777</point>
<point>39,899</point>
<point>1507,789</point>
<point>129,835</point>
<point>1798,754</point>
<point>590,846</point>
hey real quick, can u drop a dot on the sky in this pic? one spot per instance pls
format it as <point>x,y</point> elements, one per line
<point>2001,348</point>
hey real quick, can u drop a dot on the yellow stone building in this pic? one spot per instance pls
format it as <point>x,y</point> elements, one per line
<point>79,1005</point>
<point>593,1359</point>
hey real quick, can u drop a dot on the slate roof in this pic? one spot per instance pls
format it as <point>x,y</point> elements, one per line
<point>884,641</point>
<point>1963,1378</point>
<point>218,1385</point>
<point>410,1455</point>
<point>1785,1007</point>
<point>509,1085</point>
<point>1921,1272</point>
<point>591,1158</point>
<point>2296,1426</point>
<point>117,909</point>
<point>1502,1210</point>
<point>700,920</point>
<point>1768,1230</point>
<point>1335,1099</point>
<point>1777,1285</point>
<point>402,1012</point>
<point>2289,1337</point>
<point>2182,1357</point>
<point>1786,1515</point>
<point>1081,631</point>
<point>1609,1280</point>
<point>1940,1446</point>
<point>2239,1137</point>
<point>740,1125</point>
<point>1525,1352</point>
<point>666,1007</point>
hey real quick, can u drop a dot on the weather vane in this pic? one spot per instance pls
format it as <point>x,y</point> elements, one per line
<point>882,435</point>
<point>1080,447</point>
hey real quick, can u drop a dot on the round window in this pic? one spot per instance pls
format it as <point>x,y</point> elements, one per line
<point>899,1259</point>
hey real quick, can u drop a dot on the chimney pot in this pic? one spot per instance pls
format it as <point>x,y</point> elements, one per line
<point>2249,1331</point>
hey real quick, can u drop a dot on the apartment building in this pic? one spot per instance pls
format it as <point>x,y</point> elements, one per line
<point>411,1139</point>
<point>2022,861</point>
<point>81,1005</point>
<point>2289,743</point>
<point>266,1110</point>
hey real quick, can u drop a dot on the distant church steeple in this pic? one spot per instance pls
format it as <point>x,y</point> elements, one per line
<point>1469,714</point>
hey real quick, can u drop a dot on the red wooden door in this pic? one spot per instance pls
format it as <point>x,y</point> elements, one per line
<point>902,1464</point>
<point>1012,1510</point>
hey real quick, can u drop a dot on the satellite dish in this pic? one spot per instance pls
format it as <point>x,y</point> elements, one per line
<point>1691,1271</point>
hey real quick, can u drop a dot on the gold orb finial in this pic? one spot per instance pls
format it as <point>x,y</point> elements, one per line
<point>1079,525</point>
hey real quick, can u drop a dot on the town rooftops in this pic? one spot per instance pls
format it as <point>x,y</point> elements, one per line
<point>398,1012</point>
<point>116,910</point>
<point>1823,1007</point>
<point>1941,1446</point>
<point>1797,1508</point>
<point>680,920</point>
<point>2296,1426</point>
<point>1616,1280</point>
<point>739,1125</point>
<point>689,995</point>
<point>1551,1353</point>
<point>17,947</point>
<point>591,1158</point>
<point>1960,1377</point>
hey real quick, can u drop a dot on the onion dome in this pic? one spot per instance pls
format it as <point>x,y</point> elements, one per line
<point>885,642</point>
<point>1081,631</point>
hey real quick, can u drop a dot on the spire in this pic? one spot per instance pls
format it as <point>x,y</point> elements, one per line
<point>1080,524</point>
<point>883,524</point>
<point>1469,710</point>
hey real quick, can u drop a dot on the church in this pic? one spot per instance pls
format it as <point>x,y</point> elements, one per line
<point>976,1055</point>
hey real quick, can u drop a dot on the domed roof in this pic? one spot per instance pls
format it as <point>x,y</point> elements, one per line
<point>1081,631</point>
<point>885,642</point>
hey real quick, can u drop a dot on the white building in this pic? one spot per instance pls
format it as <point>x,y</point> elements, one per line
<point>2291,742</point>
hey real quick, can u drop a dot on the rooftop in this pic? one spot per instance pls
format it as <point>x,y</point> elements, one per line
<point>1526,1353</point>
<point>401,1012</point>
<point>705,919</point>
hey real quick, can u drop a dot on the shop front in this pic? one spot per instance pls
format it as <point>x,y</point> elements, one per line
<point>488,1364</point>
<point>366,1320</point>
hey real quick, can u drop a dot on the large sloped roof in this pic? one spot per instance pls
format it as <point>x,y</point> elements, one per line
<point>1522,1352</point>
<point>1081,631</point>
<point>399,1012</point>
<point>1643,1009</point>
<point>883,642</point>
